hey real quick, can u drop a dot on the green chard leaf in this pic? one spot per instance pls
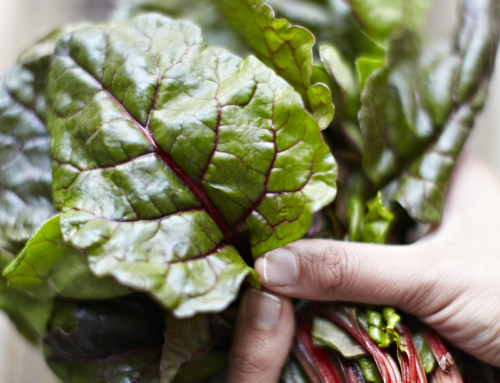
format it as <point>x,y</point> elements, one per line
<point>418,108</point>
<point>394,125</point>
<point>29,314</point>
<point>284,47</point>
<point>49,267</point>
<point>169,156</point>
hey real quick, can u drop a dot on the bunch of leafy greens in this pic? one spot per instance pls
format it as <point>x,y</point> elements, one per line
<point>144,168</point>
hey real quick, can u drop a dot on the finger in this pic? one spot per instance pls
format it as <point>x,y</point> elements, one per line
<point>403,276</point>
<point>262,339</point>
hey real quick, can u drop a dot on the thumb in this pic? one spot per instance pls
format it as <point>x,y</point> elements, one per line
<point>328,270</point>
<point>262,338</point>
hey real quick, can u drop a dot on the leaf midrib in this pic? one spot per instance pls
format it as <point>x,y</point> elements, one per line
<point>197,191</point>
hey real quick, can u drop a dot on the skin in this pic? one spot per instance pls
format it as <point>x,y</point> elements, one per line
<point>449,280</point>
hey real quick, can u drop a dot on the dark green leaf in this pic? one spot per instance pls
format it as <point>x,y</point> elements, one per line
<point>109,341</point>
<point>477,43</point>
<point>166,152</point>
<point>395,126</point>
<point>185,340</point>
<point>426,356</point>
<point>436,85</point>
<point>285,48</point>
<point>209,368</point>
<point>421,189</point>
<point>49,267</point>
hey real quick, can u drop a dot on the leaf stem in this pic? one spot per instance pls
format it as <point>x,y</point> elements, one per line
<point>315,360</point>
<point>345,317</point>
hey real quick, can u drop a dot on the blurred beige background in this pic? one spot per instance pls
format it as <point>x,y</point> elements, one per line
<point>22,22</point>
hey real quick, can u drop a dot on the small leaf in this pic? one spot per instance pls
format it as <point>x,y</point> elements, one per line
<point>426,356</point>
<point>29,314</point>
<point>377,221</point>
<point>383,18</point>
<point>168,154</point>
<point>284,47</point>
<point>49,267</point>
<point>370,370</point>
<point>335,337</point>
<point>316,360</point>
<point>365,66</point>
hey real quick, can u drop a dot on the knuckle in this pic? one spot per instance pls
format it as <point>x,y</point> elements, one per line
<point>330,270</point>
<point>248,364</point>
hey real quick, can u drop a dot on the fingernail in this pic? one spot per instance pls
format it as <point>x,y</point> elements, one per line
<point>265,309</point>
<point>280,268</point>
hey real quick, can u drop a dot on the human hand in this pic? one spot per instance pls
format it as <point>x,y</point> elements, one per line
<point>450,280</point>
